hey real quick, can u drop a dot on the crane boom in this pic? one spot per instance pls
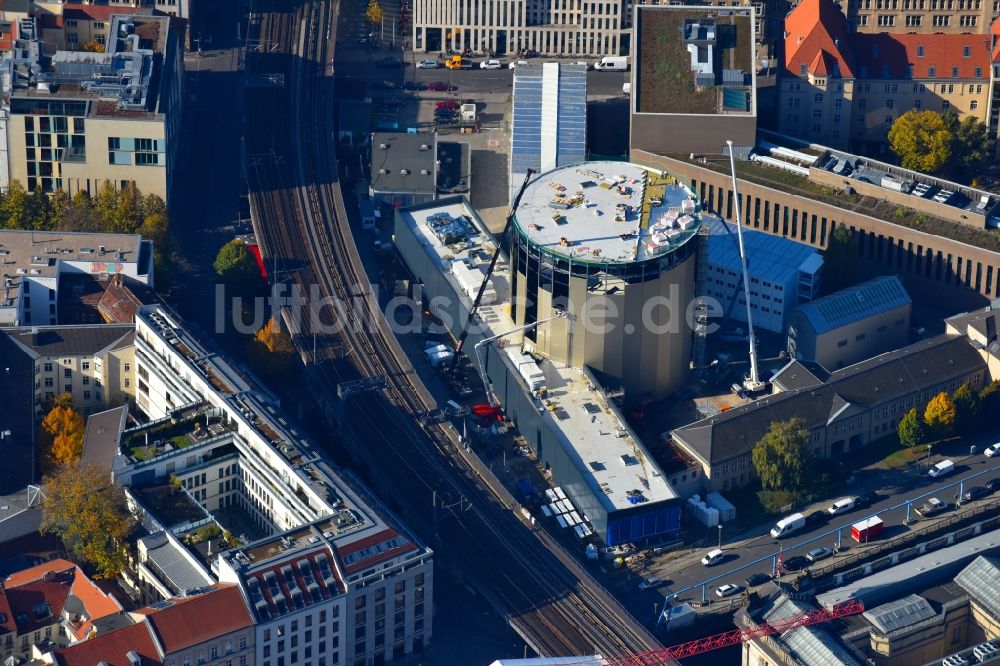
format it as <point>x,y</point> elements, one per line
<point>752,383</point>
<point>736,636</point>
<point>489,270</point>
<point>486,341</point>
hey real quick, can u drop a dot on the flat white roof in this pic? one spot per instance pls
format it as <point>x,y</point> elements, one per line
<point>593,212</point>
<point>618,464</point>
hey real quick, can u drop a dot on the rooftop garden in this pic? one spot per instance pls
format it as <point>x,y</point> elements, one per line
<point>170,504</point>
<point>884,210</point>
<point>171,436</point>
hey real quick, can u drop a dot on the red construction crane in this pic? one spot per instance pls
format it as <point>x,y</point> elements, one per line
<point>736,636</point>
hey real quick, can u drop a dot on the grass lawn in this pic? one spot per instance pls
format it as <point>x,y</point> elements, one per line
<point>902,457</point>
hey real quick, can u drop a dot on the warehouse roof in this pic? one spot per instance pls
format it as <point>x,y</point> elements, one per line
<point>769,257</point>
<point>855,304</point>
<point>847,392</point>
<point>404,163</point>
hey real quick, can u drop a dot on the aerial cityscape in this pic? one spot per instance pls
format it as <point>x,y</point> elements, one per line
<point>492,333</point>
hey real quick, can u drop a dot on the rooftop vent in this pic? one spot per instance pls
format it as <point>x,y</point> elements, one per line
<point>383,146</point>
<point>424,146</point>
<point>425,172</point>
<point>383,171</point>
<point>404,172</point>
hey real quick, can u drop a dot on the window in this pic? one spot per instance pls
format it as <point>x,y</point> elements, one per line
<point>128,382</point>
<point>888,120</point>
<point>973,105</point>
<point>931,72</point>
<point>920,51</point>
<point>838,103</point>
<point>72,37</point>
<point>842,343</point>
<point>48,382</point>
<point>889,103</point>
<point>979,72</point>
<point>86,380</point>
<point>67,372</point>
<point>946,105</point>
<point>966,52</point>
<point>917,104</point>
<point>70,24</point>
<point>128,367</point>
<point>862,104</point>
<point>913,21</point>
<point>818,98</point>
<point>48,367</point>
<point>954,72</point>
<point>86,395</point>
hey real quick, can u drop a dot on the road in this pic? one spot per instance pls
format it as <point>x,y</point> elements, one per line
<point>912,486</point>
<point>443,492</point>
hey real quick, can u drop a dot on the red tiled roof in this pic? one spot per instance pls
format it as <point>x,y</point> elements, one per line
<point>193,620</point>
<point>995,32</point>
<point>96,12</point>
<point>51,583</point>
<point>120,301</point>
<point>885,56</point>
<point>816,26</point>
<point>376,557</point>
<point>112,648</point>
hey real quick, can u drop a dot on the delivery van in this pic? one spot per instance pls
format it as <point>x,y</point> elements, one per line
<point>612,64</point>
<point>786,526</point>
<point>943,468</point>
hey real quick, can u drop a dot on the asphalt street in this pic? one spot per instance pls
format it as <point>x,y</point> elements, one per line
<point>756,552</point>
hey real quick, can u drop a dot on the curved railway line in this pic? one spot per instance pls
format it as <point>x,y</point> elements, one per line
<point>302,226</point>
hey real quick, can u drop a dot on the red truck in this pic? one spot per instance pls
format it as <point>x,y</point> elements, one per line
<point>867,529</point>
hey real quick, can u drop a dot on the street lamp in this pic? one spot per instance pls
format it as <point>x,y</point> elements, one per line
<point>720,536</point>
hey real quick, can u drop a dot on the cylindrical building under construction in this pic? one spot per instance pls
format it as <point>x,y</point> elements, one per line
<point>612,244</point>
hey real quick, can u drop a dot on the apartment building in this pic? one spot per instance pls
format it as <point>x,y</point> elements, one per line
<point>920,16</point>
<point>78,25</point>
<point>180,8</point>
<point>331,577</point>
<point>208,625</point>
<point>51,604</point>
<point>39,266</point>
<point>90,118</point>
<point>94,364</point>
<point>567,28</point>
<point>845,90</point>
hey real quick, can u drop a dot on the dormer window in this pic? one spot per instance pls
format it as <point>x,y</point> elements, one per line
<point>920,51</point>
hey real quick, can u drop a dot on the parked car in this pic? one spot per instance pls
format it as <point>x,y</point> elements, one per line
<point>974,493</point>
<point>713,557</point>
<point>753,580</point>
<point>447,104</point>
<point>992,450</point>
<point>514,64</point>
<point>932,507</point>
<point>817,554</point>
<point>390,62</point>
<point>468,64</point>
<point>867,499</point>
<point>383,85</point>
<point>794,563</point>
<point>650,583</point>
<point>428,64</point>
<point>413,85</point>
<point>993,485</point>
<point>438,86</point>
<point>727,590</point>
<point>588,65</point>
<point>817,518</point>
<point>490,64</point>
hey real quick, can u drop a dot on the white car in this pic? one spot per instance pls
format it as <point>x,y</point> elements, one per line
<point>427,64</point>
<point>490,64</point>
<point>516,63</point>
<point>588,65</point>
<point>727,590</point>
<point>992,450</point>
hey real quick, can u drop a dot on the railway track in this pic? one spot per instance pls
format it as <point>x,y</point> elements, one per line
<point>302,224</point>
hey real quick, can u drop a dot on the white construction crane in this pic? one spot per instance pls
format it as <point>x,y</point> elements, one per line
<point>752,382</point>
<point>485,341</point>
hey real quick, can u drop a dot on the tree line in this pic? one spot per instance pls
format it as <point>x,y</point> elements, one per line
<point>111,210</point>
<point>964,412</point>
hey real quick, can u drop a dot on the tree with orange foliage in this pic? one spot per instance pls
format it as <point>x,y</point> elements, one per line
<point>66,427</point>
<point>273,348</point>
<point>93,46</point>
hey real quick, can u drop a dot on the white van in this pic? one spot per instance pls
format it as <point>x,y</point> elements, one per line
<point>713,557</point>
<point>943,468</point>
<point>841,506</point>
<point>612,64</point>
<point>786,526</point>
<point>651,583</point>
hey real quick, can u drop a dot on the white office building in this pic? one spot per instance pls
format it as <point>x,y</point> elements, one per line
<point>329,574</point>
<point>573,28</point>
<point>783,274</point>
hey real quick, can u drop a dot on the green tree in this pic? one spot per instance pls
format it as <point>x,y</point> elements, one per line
<point>14,206</point>
<point>61,202</point>
<point>781,458</point>
<point>840,260</point>
<point>966,409</point>
<point>237,268</point>
<point>940,414</point>
<point>922,140</point>
<point>39,210</point>
<point>374,13</point>
<point>989,399</point>
<point>79,215</point>
<point>90,513</point>
<point>127,216</point>
<point>911,429</point>
<point>106,205</point>
<point>972,148</point>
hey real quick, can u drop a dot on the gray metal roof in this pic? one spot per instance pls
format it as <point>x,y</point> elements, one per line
<point>814,646</point>
<point>853,304</point>
<point>406,165</point>
<point>178,567</point>
<point>100,441</point>
<point>71,340</point>
<point>538,131</point>
<point>769,257</point>
<point>900,613</point>
<point>981,580</point>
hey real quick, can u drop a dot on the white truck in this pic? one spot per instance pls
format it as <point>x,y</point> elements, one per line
<point>612,64</point>
<point>786,526</point>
